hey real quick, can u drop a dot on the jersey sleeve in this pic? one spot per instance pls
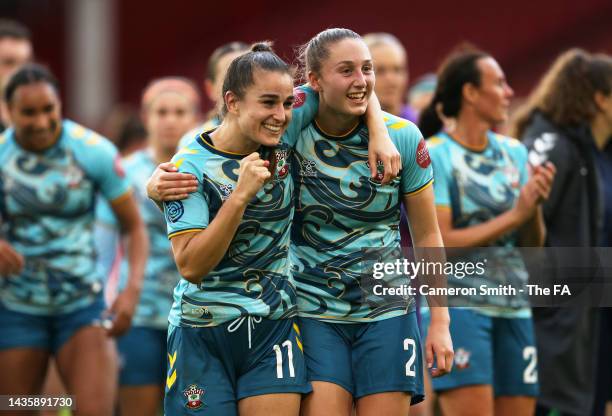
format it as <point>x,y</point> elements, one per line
<point>104,213</point>
<point>190,214</point>
<point>416,172</point>
<point>441,176</point>
<point>101,160</point>
<point>304,110</point>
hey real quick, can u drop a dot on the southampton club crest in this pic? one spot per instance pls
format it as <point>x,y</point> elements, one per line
<point>194,397</point>
<point>282,166</point>
<point>462,359</point>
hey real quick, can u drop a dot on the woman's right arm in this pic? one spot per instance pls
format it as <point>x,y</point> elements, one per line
<point>197,252</point>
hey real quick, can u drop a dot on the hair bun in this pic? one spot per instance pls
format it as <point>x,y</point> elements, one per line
<point>265,46</point>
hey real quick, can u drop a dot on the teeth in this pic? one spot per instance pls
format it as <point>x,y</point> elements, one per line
<point>272,127</point>
<point>356,95</point>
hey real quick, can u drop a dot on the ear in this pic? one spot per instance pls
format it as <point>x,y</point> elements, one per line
<point>469,92</point>
<point>209,89</point>
<point>5,115</point>
<point>600,100</point>
<point>313,80</point>
<point>232,103</point>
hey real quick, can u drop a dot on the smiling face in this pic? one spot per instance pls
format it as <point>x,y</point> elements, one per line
<point>35,112</point>
<point>492,99</point>
<point>346,78</point>
<point>264,111</point>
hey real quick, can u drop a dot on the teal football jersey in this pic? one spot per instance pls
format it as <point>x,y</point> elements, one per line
<point>478,186</point>
<point>340,211</point>
<point>47,205</point>
<point>253,278</point>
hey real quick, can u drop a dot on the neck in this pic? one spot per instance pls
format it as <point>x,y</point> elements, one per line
<point>24,144</point>
<point>229,138</point>
<point>161,154</point>
<point>394,109</point>
<point>471,131</point>
<point>601,131</point>
<point>333,122</point>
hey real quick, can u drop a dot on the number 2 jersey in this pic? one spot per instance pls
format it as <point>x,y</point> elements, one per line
<point>47,205</point>
<point>340,211</point>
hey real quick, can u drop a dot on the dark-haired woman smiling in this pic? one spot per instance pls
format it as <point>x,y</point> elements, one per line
<point>50,290</point>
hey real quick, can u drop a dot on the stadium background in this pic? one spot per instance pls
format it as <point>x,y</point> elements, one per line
<point>110,49</point>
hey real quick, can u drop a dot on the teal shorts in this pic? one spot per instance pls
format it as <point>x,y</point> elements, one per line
<point>366,358</point>
<point>210,369</point>
<point>499,352</point>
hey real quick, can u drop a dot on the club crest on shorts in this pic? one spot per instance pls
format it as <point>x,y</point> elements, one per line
<point>194,397</point>
<point>462,358</point>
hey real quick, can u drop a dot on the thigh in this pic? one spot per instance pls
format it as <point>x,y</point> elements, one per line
<point>87,363</point>
<point>140,400</point>
<point>475,400</point>
<point>328,353</point>
<point>390,403</point>
<point>327,398</point>
<point>473,344</point>
<point>276,404</point>
<point>387,357</point>
<point>515,405</point>
<point>274,363</point>
<point>200,373</point>
<point>142,357</point>
<point>27,368</point>
<point>515,357</point>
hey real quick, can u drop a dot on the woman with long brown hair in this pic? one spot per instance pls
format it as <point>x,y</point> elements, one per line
<point>568,120</point>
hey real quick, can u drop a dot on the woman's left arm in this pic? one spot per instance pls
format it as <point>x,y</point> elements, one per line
<point>137,249</point>
<point>428,246</point>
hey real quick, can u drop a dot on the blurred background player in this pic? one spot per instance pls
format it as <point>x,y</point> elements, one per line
<point>392,75</point>
<point>567,120</point>
<point>485,197</point>
<point>356,351</point>
<point>51,294</point>
<point>421,93</point>
<point>15,50</point>
<point>218,63</point>
<point>169,109</point>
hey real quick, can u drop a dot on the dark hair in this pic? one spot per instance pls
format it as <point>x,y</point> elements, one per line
<point>240,73</point>
<point>219,53</point>
<point>316,50</point>
<point>458,69</point>
<point>29,74</point>
<point>565,94</point>
<point>13,29</point>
